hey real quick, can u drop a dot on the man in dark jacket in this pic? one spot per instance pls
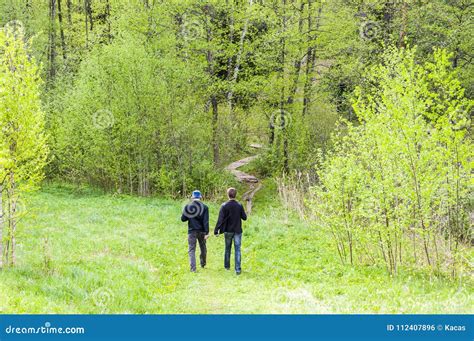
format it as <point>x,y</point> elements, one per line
<point>230,223</point>
<point>197,216</point>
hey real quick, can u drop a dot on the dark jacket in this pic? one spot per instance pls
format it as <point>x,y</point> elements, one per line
<point>230,218</point>
<point>197,216</point>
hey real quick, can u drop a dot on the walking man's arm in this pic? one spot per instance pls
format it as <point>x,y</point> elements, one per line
<point>183,216</point>
<point>220,222</point>
<point>243,215</point>
<point>206,221</point>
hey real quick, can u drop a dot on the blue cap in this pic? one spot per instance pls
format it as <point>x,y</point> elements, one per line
<point>196,195</point>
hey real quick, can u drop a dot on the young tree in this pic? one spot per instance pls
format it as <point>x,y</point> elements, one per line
<point>403,174</point>
<point>23,149</point>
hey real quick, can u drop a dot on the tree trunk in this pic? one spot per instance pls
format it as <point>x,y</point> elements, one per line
<point>401,40</point>
<point>388,13</point>
<point>297,62</point>
<point>311,58</point>
<point>28,10</point>
<point>282,98</point>
<point>107,18</point>
<point>61,30</point>
<point>215,119</point>
<point>231,42</point>
<point>230,94</point>
<point>272,132</point>
<point>213,97</point>
<point>12,218</point>
<point>89,14</point>
<point>87,9</point>
<point>52,39</point>
<point>69,10</point>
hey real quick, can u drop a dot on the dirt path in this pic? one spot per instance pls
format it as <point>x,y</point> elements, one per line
<point>250,180</point>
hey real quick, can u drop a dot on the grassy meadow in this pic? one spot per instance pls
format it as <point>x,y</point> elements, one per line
<point>81,251</point>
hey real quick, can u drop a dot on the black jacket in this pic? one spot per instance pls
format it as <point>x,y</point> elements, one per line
<point>230,218</point>
<point>197,216</point>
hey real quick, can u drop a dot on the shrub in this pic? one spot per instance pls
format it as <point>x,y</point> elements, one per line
<point>396,187</point>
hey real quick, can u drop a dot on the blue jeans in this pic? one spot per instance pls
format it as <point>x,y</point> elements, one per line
<point>237,238</point>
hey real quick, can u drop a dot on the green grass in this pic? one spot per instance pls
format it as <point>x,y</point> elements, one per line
<point>109,254</point>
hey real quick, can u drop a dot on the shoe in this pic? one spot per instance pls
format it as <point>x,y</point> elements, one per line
<point>238,273</point>
<point>227,269</point>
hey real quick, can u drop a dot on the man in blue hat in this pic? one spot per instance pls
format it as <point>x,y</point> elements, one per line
<point>196,214</point>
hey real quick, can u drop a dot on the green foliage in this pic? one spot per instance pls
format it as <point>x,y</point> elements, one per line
<point>445,25</point>
<point>23,149</point>
<point>156,97</point>
<point>224,69</point>
<point>128,125</point>
<point>396,187</point>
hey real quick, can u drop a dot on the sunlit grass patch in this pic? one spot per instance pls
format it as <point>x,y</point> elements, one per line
<point>97,253</point>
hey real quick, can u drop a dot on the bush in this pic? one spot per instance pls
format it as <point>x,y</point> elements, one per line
<point>128,125</point>
<point>396,187</point>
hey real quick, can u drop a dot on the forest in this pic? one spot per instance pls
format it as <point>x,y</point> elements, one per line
<point>356,116</point>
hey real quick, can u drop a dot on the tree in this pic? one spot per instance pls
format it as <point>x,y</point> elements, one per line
<point>23,148</point>
<point>402,176</point>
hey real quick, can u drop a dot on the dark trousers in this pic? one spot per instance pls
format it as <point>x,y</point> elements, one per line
<point>237,238</point>
<point>193,238</point>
